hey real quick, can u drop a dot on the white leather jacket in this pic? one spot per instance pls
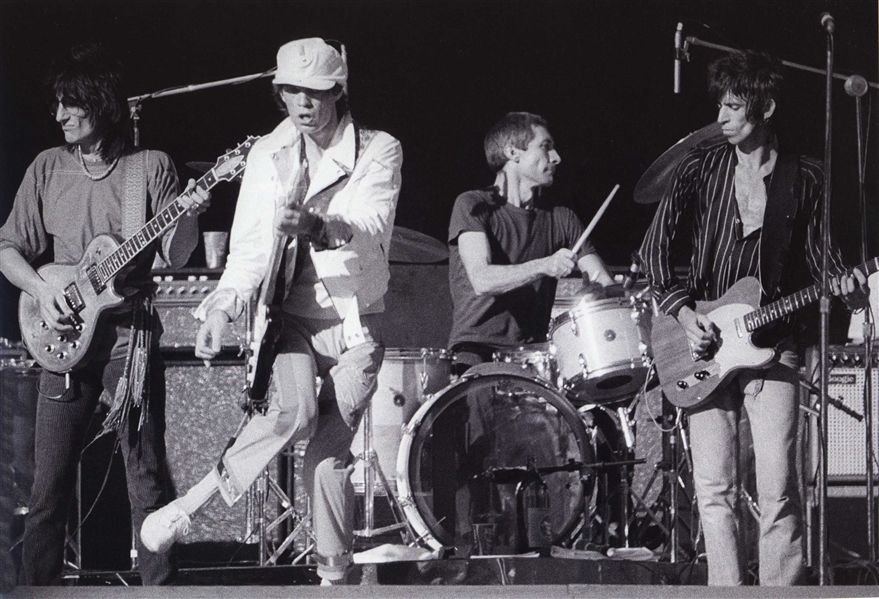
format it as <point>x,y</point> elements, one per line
<point>367,202</point>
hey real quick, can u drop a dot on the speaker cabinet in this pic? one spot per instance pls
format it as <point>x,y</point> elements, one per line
<point>202,415</point>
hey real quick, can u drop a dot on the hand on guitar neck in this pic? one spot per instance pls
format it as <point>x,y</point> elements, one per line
<point>852,289</point>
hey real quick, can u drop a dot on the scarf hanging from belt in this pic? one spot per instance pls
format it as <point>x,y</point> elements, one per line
<point>132,390</point>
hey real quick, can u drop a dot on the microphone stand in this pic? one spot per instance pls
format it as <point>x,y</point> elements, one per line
<point>825,316</point>
<point>134,103</point>
<point>697,42</point>
<point>855,86</point>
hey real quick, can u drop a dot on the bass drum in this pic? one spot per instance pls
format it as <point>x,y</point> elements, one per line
<point>466,451</point>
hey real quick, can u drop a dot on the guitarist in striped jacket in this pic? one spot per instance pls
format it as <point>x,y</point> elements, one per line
<point>752,211</point>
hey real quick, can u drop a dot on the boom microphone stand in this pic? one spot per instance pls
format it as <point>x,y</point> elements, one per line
<point>827,22</point>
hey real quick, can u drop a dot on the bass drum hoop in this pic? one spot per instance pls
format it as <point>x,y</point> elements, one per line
<point>441,400</point>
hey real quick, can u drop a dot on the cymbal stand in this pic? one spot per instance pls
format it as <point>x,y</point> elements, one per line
<point>668,503</point>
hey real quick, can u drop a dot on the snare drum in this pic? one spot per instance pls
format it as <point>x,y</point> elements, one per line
<point>601,348</point>
<point>405,379</point>
<point>534,359</point>
<point>466,450</point>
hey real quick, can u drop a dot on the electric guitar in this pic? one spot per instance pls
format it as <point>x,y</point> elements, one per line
<point>267,319</point>
<point>90,286</point>
<point>687,378</point>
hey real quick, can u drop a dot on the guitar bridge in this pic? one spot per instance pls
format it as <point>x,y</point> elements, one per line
<point>74,298</point>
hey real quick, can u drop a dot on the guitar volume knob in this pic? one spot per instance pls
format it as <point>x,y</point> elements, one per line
<point>682,384</point>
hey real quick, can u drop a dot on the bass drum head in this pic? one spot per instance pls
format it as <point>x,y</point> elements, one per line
<point>464,453</point>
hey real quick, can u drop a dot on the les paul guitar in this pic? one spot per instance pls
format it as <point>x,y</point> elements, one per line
<point>688,378</point>
<point>89,286</point>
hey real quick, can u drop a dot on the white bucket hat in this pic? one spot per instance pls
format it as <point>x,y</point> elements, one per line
<point>310,63</point>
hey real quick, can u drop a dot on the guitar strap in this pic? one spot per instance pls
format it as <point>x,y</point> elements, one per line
<point>129,392</point>
<point>778,221</point>
<point>134,201</point>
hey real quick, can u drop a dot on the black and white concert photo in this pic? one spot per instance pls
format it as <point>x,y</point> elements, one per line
<point>506,298</point>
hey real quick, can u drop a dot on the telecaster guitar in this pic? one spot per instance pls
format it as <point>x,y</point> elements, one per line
<point>687,378</point>
<point>89,286</point>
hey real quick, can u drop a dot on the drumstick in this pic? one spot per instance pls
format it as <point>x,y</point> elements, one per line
<point>594,222</point>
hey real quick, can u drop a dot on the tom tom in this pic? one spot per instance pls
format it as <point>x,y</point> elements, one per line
<point>406,377</point>
<point>601,348</point>
<point>467,449</point>
<point>534,359</point>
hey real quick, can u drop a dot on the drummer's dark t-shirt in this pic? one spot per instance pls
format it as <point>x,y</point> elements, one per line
<point>515,236</point>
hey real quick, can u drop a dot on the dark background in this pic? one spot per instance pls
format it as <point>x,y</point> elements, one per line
<point>437,75</point>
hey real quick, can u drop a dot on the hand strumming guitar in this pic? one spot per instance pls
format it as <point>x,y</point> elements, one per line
<point>701,331</point>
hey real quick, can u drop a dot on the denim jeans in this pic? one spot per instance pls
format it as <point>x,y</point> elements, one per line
<point>771,400</point>
<point>63,417</point>
<point>308,349</point>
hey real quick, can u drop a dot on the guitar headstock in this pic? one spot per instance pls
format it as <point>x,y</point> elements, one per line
<point>231,165</point>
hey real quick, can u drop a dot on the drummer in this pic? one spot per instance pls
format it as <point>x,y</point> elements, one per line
<point>508,245</point>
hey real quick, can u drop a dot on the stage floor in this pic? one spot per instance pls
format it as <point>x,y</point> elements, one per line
<point>500,577</point>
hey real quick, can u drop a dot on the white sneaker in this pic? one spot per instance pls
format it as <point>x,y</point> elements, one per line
<point>164,527</point>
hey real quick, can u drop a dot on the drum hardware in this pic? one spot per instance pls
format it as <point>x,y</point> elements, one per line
<point>396,394</point>
<point>668,502</point>
<point>372,468</point>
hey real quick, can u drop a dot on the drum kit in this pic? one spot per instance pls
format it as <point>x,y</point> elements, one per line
<point>536,448</point>
<point>531,450</point>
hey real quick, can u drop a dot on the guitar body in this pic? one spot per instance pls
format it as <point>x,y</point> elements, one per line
<point>89,285</point>
<point>64,351</point>
<point>688,380</point>
<point>267,322</point>
<point>266,331</point>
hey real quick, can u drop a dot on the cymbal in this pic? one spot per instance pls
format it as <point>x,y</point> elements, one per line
<point>656,179</point>
<point>412,247</point>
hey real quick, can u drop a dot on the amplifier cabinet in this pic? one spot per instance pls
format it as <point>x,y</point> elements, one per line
<point>177,296</point>
<point>846,449</point>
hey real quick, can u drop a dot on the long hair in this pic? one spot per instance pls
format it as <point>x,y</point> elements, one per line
<point>87,77</point>
<point>755,77</point>
<point>516,129</point>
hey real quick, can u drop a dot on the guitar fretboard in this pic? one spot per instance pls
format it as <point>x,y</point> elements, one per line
<point>227,168</point>
<point>790,304</point>
<point>135,244</point>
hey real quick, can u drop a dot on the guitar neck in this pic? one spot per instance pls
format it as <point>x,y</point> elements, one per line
<point>152,230</point>
<point>790,304</point>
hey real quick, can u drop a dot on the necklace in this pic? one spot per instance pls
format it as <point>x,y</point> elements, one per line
<point>85,169</point>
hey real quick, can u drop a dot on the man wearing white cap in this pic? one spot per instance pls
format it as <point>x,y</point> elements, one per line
<point>332,188</point>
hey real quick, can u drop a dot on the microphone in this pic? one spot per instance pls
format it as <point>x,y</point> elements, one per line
<point>827,22</point>
<point>678,52</point>
<point>856,86</point>
<point>632,275</point>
